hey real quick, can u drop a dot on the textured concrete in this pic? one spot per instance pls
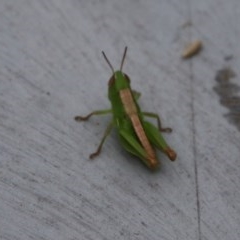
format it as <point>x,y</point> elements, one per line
<point>51,69</point>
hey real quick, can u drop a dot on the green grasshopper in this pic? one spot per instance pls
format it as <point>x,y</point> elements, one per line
<point>136,135</point>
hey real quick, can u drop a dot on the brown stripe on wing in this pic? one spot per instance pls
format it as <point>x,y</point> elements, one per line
<point>131,111</point>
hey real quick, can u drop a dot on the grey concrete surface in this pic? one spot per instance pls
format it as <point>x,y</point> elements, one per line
<point>51,69</point>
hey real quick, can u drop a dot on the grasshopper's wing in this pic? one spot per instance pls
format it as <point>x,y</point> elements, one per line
<point>156,138</point>
<point>131,144</point>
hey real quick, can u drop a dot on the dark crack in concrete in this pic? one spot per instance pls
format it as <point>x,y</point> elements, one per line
<point>227,92</point>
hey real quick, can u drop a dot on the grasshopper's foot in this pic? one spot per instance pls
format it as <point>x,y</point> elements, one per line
<point>167,130</point>
<point>82,118</point>
<point>93,155</point>
<point>99,112</point>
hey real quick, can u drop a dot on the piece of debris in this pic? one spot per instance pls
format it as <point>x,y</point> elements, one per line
<point>192,49</point>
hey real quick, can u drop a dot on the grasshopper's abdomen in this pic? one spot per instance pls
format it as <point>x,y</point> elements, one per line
<point>132,112</point>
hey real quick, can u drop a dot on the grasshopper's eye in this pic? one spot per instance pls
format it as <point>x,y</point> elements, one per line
<point>127,77</point>
<point>111,80</point>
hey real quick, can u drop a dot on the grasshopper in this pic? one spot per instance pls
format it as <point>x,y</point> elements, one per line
<point>137,136</point>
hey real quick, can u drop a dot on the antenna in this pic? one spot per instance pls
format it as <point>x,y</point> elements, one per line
<point>110,65</point>
<point>123,58</point>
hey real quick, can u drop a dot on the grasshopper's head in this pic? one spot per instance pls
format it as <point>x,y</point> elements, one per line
<point>119,80</point>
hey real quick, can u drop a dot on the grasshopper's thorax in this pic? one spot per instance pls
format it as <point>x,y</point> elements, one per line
<point>116,83</point>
